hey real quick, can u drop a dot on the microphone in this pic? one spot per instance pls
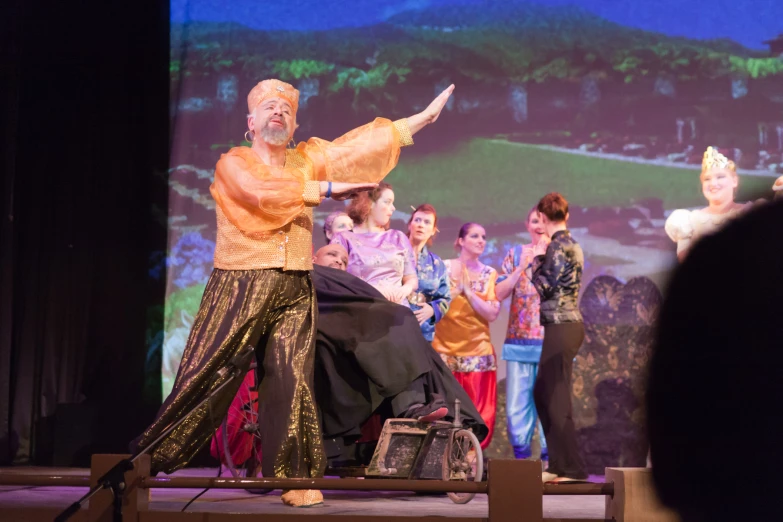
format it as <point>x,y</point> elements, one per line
<point>236,362</point>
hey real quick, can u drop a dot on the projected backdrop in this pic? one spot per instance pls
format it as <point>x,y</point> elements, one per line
<point>610,104</point>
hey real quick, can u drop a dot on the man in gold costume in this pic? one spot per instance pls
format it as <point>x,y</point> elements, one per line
<point>260,292</point>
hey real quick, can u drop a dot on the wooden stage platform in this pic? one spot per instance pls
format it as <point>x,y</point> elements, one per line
<point>382,504</point>
<point>516,495</point>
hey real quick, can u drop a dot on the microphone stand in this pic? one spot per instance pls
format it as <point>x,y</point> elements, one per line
<point>114,479</point>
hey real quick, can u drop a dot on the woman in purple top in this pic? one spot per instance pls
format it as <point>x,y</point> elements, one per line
<point>379,256</point>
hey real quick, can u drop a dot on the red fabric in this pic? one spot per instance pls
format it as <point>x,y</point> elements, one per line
<point>481,387</point>
<point>371,429</point>
<point>239,441</point>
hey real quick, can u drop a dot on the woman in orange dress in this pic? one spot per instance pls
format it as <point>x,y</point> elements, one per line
<point>462,336</point>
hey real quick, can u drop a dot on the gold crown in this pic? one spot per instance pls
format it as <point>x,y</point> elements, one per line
<point>269,89</point>
<point>715,160</point>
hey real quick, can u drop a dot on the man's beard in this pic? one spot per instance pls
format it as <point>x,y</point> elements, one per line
<point>274,136</point>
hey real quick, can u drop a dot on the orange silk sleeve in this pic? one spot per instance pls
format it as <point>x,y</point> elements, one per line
<point>258,198</point>
<point>364,155</point>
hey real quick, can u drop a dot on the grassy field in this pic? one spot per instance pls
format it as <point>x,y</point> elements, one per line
<point>494,181</point>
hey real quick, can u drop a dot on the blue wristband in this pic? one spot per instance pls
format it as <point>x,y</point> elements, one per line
<point>329,190</point>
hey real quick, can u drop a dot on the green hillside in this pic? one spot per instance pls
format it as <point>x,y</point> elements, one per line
<point>500,180</point>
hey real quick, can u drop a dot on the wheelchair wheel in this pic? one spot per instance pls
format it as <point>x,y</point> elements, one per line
<point>240,439</point>
<point>464,461</point>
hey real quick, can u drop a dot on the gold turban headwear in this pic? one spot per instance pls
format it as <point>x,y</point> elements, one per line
<point>272,89</point>
<point>715,160</point>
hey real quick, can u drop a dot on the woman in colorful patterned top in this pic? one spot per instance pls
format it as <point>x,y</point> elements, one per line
<point>719,183</point>
<point>432,300</point>
<point>525,335</point>
<point>462,337</point>
<point>377,255</point>
<point>556,272</point>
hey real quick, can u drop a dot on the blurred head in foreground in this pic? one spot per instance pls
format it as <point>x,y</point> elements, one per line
<point>715,396</point>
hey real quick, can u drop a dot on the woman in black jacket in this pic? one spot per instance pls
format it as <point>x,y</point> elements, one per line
<point>556,272</point>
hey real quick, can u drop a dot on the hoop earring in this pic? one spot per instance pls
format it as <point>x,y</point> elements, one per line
<point>250,139</point>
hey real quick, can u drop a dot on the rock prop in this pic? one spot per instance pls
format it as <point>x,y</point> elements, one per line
<point>610,371</point>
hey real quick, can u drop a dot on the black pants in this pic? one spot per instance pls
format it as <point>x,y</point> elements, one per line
<point>552,394</point>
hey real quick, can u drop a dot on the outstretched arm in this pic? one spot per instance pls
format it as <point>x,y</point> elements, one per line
<point>367,154</point>
<point>431,113</point>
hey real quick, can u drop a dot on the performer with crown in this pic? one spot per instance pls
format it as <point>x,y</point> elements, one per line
<point>260,291</point>
<point>719,183</point>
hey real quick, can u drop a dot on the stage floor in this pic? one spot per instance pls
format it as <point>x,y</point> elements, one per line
<point>380,503</point>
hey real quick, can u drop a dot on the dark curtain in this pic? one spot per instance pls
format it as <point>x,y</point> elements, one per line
<point>85,154</point>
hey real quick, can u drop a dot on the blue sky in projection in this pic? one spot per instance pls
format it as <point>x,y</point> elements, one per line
<point>748,22</point>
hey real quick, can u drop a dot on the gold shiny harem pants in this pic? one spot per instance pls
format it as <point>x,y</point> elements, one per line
<point>275,311</point>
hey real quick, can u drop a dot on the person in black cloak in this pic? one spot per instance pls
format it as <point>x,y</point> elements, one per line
<point>370,351</point>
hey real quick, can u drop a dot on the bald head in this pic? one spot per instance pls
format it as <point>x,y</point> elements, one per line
<point>333,256</point>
